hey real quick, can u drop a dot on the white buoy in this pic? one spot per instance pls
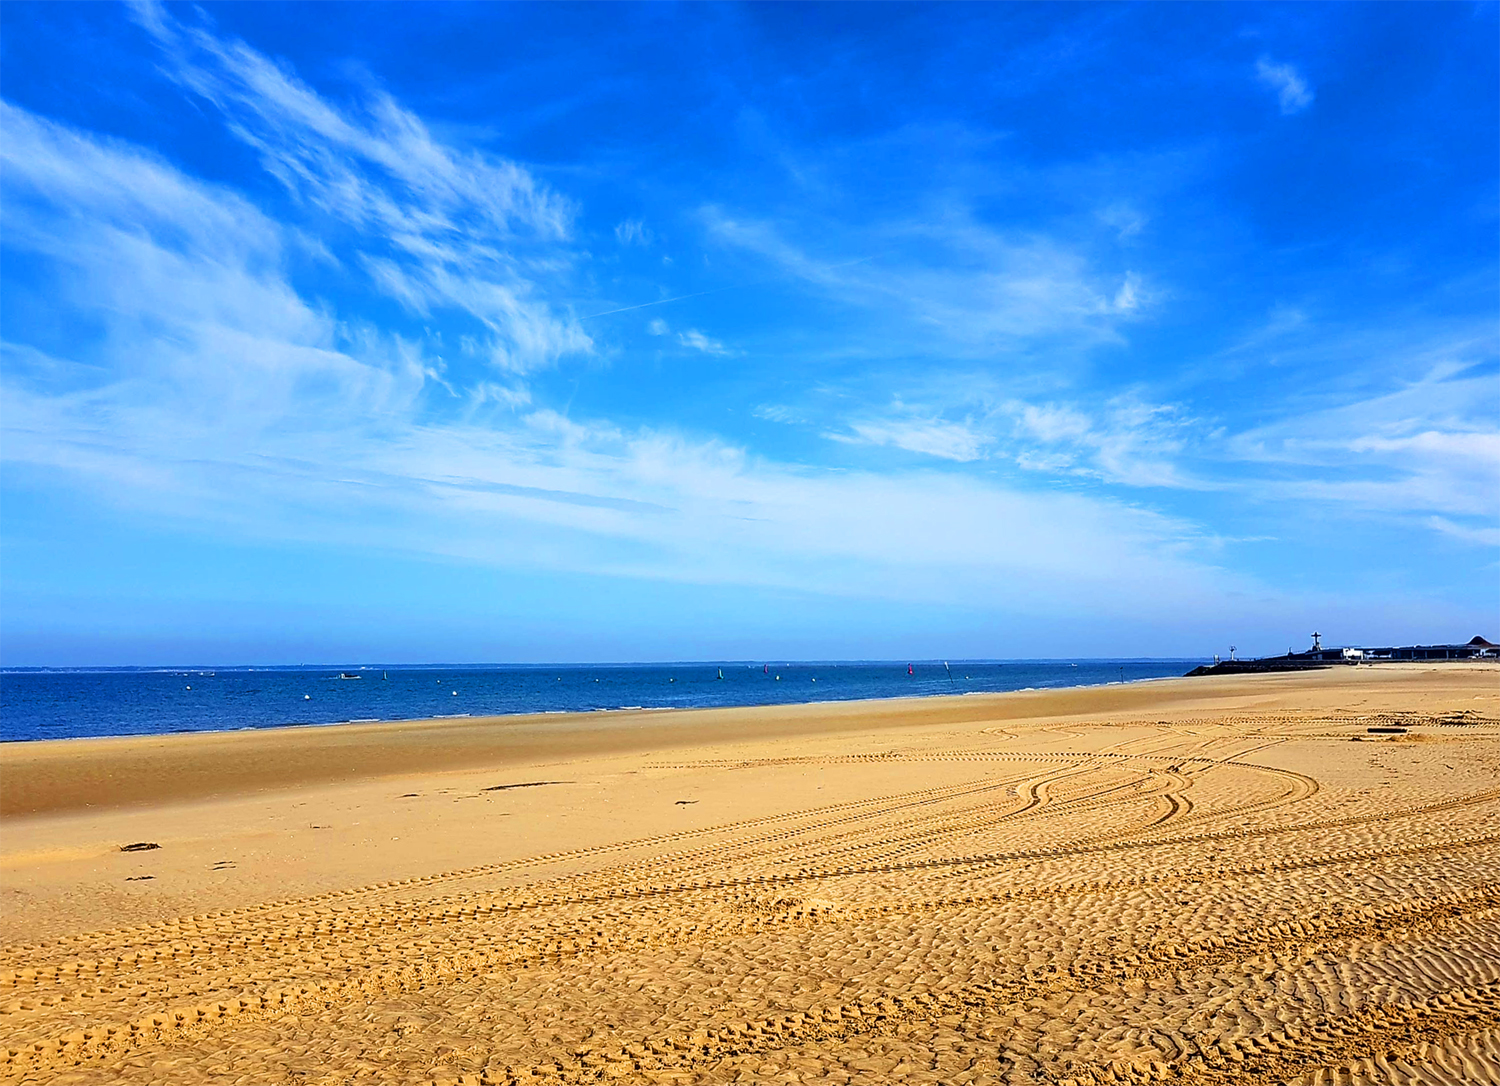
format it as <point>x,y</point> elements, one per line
<point>189,688</point>
<point>307,697</point>
<point>455,693</point>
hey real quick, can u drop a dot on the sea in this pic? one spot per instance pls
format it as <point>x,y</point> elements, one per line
<point>73,703</point>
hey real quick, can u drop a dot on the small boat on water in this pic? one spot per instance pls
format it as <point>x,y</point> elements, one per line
<point>349,675</point>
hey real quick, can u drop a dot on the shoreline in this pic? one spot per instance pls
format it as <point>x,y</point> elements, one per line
<point>101,766</point>
<point>33,720</point>
<point>584,713</point>
<point>303,725</point>
<point>98,773</point>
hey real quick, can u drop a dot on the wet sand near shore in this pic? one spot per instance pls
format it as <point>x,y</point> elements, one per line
<point>1247,879</point>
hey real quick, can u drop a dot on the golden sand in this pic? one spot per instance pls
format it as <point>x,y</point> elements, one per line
<point>1223,880</point>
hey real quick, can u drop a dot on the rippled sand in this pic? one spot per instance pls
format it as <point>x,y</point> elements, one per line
<point>1206,881</point>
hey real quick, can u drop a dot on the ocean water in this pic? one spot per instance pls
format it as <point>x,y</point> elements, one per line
<point>58,704</point>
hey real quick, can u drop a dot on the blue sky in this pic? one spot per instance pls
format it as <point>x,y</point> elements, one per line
<point>559,332</point>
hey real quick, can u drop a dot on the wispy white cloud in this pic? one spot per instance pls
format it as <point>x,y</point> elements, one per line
<point>632,232</point>
<point>1431,446</point>
<point>1129,296</point>
<point>937,437</point>
<point>965,284</point>
<point>777,412</point>
<point>1125,441</point>
<point>383,168</point>
<point>437,227</point>
<point>1129,441</point>
<point>1292,90</point>
<point>144,248</point>
<point>1486,536</point>
<point>691,338</point>
<point>707,511</point>
<point>700,342</point>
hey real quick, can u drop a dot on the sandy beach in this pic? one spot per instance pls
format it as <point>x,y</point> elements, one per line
<point>1272,878</point>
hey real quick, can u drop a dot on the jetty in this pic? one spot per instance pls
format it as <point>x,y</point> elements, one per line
<point>1320,656</point>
